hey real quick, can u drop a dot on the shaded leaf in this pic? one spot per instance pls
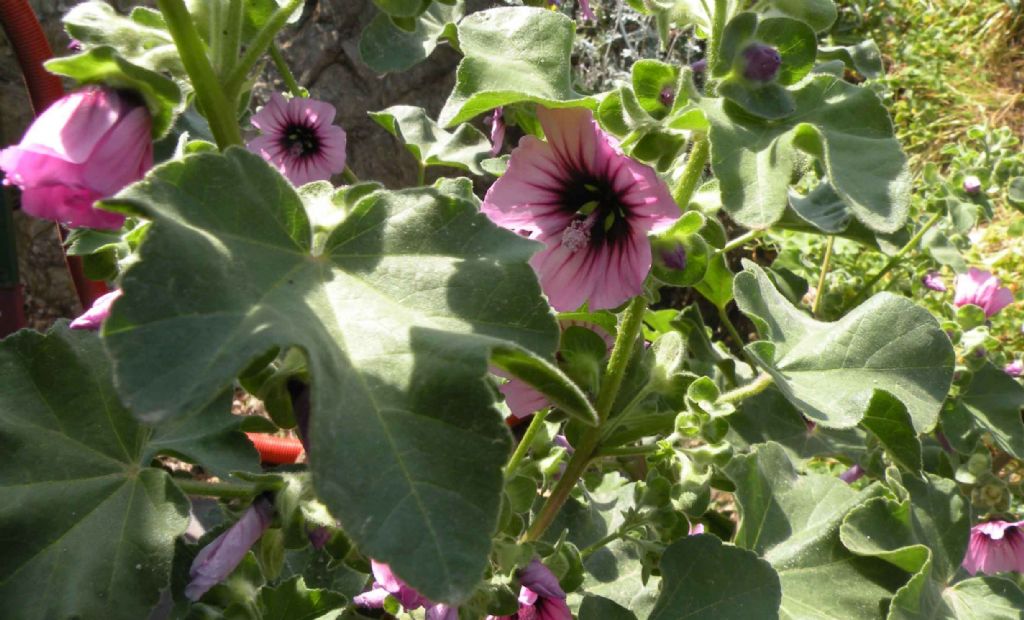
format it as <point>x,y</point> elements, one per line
<point>887,419</point>
<point>292,600</point>
<point>985,598</point>
<point>994,400</point>
<point>88,529</point>
<point>396,309</point>
<point>464,148</point>
<point>385,47</point>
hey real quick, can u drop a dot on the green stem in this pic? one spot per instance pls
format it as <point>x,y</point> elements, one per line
<point>758,385</point>
<point>693,172</point>
<point>232,38</point>
<point>739,241</point>
<point>259,45</point>
<point>626,451</point>
<point>218,108</point>
<point>421,174</point>
<point>536,424</point>
<point>893,261</point>
<point>821,278</point>
<point>617,534</point>
<point>219,489</point>
<point>715,42</point>
<point>285,72</point>
<point>349,176</point>
<point>729,327</point>
<point>625,339</point>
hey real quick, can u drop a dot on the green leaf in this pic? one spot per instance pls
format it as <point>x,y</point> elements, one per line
<point>651,78</point>
<point>88,528</point>
<point>292,600</point>
<point>703,578</point>
<point>818,14</point>
<point>402,8</point>
<point>138,38</point>
<point>888,420</point>
<point>985,598</point>
<point>547,379</point>
<point>397,310</point>
<point>792,521</point>
<point>830,371</point>
<point>822,210</point>
<point>385,47</point>
<point>926,534</point>
<point>768,416</point>
<point>104,65</point>
<point>717,284</point>
<point>1015,192</point>
<point>994,400</point>
<point>836,122</point>
<point>513,54</point>
<point>864,58</point>
<point>211,438</point>
<point>601,608</point>
<point>431,145</point>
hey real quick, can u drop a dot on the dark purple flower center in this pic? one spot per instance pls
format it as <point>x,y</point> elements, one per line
<point>762,62</point>
<point>600,217</point>
<point>300,140</point>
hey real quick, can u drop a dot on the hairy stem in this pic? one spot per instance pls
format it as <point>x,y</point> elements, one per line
<point>824,273</point>
<point>536,423</point>
<point>755,387</point>
<point>285,72</point>
<point>259,45</point>
<point>216,104</point>
<point>626,451</point>
<point>893,261</point>
<point>220,489</point>
<point>692,173</point>
<point>739,241</point>
<point>349,176</point>
<point>625,339</point>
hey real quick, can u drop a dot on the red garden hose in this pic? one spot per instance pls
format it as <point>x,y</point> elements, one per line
<point>30,46</point>
<point>276,450</point>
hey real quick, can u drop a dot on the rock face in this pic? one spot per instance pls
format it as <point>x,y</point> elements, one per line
<point>323,51</point>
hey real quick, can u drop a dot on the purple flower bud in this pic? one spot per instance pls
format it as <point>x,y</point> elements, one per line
<point>497,123</point>
<point>218,559</point>
<point>762,62</point>
<point>697,529</point>
<point>972,184</point>
<point>667,96</point>
<point>674,258</point>
<point>932,280</point>
<point>852,474</point>
<point>100,310</point>
<point>319,536</point>
<point>1014,368</point>
<point>699,66</point>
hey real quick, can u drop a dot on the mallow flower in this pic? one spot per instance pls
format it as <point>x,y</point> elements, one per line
<point>540,595</point>
<point>386,583</point>
<point>85,147</point>
<point>982,289</point>
<point>995,547</point>
<point>972,184</point>
<point>1014,368</point>
<point>933,281</point>
<point>299,139</point>
<point>591,206</point>
<point>100,310</point>
<point>217,560</point>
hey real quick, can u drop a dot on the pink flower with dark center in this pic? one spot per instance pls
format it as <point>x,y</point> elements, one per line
<point>982,289</point>
<point>591,205</point>
<point>995,547</point>
<point>540,597</point>
<point>298,138</point>
<point>85,147</point>
<point>100,310</point>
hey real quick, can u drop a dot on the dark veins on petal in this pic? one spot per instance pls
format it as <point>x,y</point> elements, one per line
<point>300,140</point>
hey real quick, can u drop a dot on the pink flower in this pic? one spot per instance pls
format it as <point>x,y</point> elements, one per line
<point>853,474</point>
<point>218,559</point>
<point>85,147</point>
<point>497,123</point>
<point>1014,368</point>
<point>299,139</point>
<point>982,289</point>
<point>696,530</point>
<point>386,583</point>
<point>588,203</point>
<point>540,597</point>
<point>995,547</point>
<point>933,281</point>
<point>100,310</point>
<point>972,184</point>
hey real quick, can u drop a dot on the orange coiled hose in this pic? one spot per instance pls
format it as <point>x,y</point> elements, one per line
<point>276,450</point>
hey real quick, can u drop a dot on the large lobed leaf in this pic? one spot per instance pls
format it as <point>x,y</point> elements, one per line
<point>512,54</point>
<point>844,126</point>
<point>397,309</point>
<point>88,529</point>
<point>830,371</point>
<point>793,521</point>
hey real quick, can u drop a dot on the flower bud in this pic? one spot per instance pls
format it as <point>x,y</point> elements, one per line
<point>972,184</point>
<point>85,147</point>
<point>217,560</point>
<point>761,63</point>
